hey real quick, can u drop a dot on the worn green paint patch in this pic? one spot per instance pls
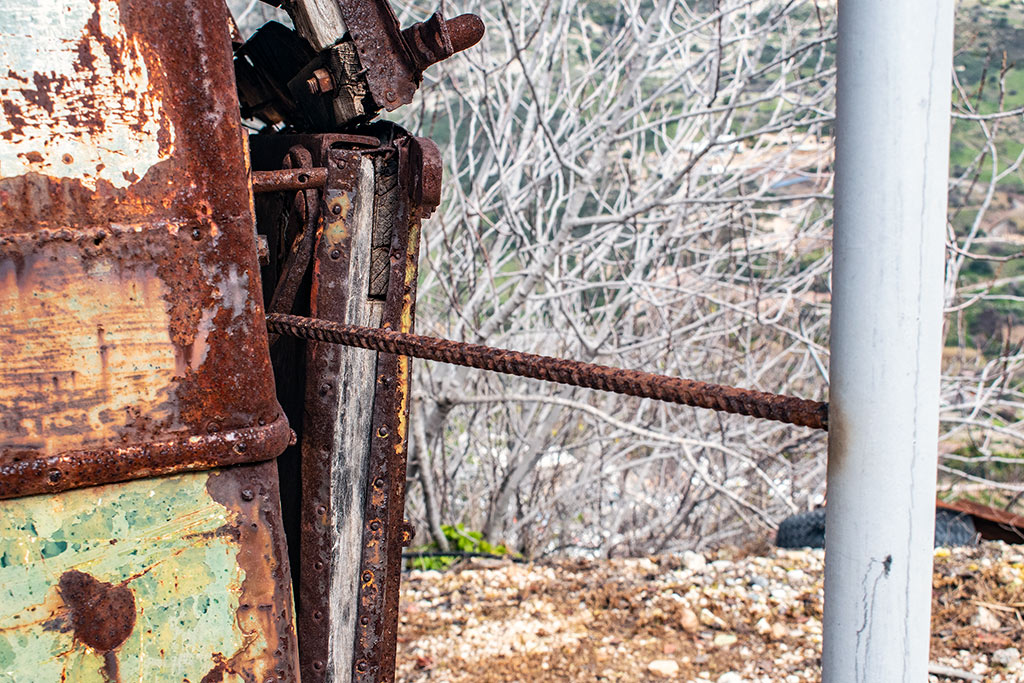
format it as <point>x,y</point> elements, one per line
<point>166,540</point>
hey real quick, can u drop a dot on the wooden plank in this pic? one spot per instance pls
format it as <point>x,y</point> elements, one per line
<point>319,22</point>
<point>348,478</point>
<point>336,430</point>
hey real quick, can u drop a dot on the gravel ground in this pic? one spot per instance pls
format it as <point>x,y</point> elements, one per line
<point>724,617</point>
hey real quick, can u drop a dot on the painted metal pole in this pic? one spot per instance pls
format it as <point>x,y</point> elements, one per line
<point>892,133</point>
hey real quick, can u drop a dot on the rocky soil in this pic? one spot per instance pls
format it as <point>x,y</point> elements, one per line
<point>726,617</point>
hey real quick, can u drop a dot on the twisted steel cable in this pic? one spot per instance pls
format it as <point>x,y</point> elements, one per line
<point>760,404</point>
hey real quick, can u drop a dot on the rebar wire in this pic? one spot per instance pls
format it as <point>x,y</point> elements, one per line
<point>760,404</point>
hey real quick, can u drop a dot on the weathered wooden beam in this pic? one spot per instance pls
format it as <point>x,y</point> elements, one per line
<point>336,434</point>
<point>318,21</point>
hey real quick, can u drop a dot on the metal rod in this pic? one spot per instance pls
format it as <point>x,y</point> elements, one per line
<point>894,59</point>
<point>789,409</point>
<point>288,179</point>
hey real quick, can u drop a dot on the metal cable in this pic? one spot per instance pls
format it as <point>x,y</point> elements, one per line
<point>788,409</point>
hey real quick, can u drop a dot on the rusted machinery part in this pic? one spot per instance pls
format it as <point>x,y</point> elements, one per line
<point>132,313</point>
<point>394,59</point>
<point>788,409</point>
<point>288,179</point>
<point>992,523</point>
<point>30,473</point>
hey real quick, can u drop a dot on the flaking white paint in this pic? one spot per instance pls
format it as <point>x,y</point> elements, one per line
<point>69,110</point>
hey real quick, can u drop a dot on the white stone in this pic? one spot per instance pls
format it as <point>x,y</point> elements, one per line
<point>730,677</point>
<point>1007,657</point>
<point>664,668</point>
<point>695,562</point>
<point>689,621</point>
<point>986,620</point>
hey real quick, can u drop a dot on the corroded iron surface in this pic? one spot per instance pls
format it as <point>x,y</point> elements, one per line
<point>168,579</point>
<point>130,308</point>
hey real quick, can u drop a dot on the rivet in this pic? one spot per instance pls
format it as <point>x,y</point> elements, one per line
<point>318,565</point>
<point>378,483</point>
<point>374,525</point>
<point>382,432</point>
<point>364,620</point>
<point>336,209</point>
<point>197,234</point>
<point>247,494</point>
<point>391,95</point>
<point>239,447</point>
<point>321,510</point>
<point>361,667</point>
<point>335,254</point>
<point>325,389</point>
<point>367,577</point>
<point>318,615</point>
<point>318,665</point>
<point>54,476</point>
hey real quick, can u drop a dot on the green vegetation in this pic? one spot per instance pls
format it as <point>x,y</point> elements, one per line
<point>459,539</point>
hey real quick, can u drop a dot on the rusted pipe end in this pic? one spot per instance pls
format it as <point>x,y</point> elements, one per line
<point>465,31</point>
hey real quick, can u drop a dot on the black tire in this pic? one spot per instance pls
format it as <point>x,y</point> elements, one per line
<point>807,530</point>
<point>804,530</point>
<point>954,528</point>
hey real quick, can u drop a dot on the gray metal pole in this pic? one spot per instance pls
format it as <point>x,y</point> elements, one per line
<point>892,137</point>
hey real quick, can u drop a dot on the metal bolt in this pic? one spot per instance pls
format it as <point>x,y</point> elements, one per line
<point>320,82</point>
<point>262,250</point>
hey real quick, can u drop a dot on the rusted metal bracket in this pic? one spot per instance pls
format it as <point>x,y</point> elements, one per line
<point>394,59</point>
<point>314,83</point>
<point>363,267</point>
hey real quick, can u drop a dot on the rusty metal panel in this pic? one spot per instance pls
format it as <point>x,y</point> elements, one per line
<point>131,318</point>
<point>177,578</point>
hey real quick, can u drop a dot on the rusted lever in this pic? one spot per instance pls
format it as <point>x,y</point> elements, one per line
<point>437,39</point>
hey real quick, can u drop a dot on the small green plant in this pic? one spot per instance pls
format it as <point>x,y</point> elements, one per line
<point>459,539</point>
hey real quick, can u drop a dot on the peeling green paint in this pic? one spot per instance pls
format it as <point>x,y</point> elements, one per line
<point>165,539</point>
